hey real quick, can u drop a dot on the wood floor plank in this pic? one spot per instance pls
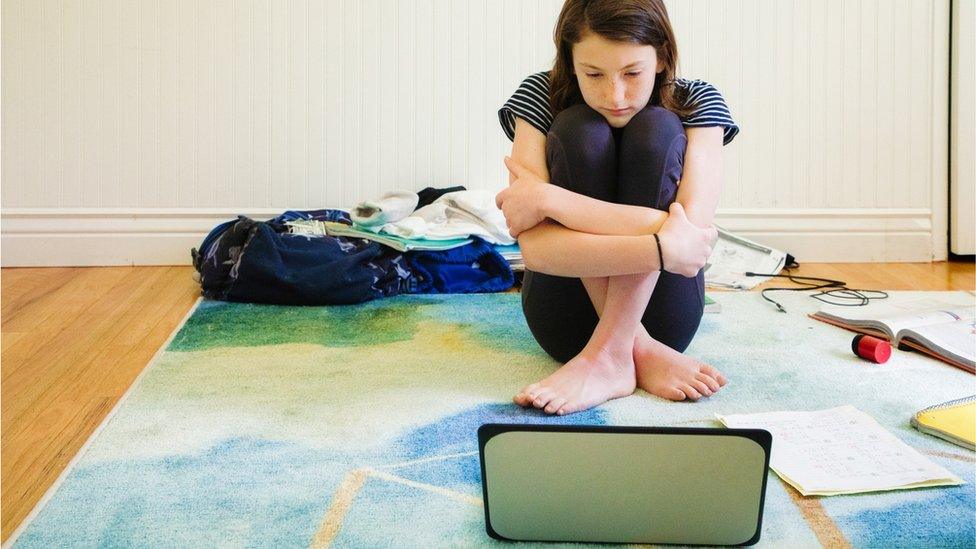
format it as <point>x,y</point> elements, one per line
<point>98,382</point>
<point>891,276</point>
<point>97,354</point>
<point>55,395</point>
<point>22,297</point>
<point>74,340</point>
<point>91,356</point>
<point>53,357</point>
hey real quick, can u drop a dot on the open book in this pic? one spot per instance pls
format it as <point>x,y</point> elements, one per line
<point>943,327</point>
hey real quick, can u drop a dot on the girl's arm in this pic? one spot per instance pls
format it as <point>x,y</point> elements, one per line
<point>547,246</point>
<point>572,210</point>
<point>556,249</point>
<point>551,248</point>
<point>590,215</point>
<point>701,178</point>
<point>698,191</point>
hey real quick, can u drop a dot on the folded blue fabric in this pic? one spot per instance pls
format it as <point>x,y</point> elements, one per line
<point>472,268</point>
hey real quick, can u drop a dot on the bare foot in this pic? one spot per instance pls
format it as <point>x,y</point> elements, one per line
<point>589,379</point>
<point>664,372</point>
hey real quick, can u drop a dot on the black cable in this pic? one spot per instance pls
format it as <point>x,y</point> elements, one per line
<point>830,289</point>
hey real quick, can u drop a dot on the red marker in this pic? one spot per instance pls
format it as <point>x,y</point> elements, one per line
<point>871,348</point>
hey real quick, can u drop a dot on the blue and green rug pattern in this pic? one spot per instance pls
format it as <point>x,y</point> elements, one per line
<point>355,426</point>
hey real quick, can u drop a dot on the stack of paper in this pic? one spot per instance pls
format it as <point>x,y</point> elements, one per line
<point>319,228</point>
<point>513,254</point>
<point>734,255</point>
<point>841,451</point>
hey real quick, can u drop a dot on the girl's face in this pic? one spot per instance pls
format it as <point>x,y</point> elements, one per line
<point>615,78</point>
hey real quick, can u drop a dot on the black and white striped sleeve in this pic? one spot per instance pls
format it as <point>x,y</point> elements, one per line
<point>529,102</point>
<point>708,109</point>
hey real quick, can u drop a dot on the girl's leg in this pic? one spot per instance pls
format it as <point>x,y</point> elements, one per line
<point>661,370</point>
<point>581,153</point>
<point>561,314</point>
<point>582,156</point>
<point>650,163</point>
<point>605,368</point>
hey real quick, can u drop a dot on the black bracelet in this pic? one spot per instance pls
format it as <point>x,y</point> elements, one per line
<point>660,254</point>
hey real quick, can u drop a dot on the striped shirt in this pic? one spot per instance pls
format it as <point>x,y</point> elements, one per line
<point>531,103</point>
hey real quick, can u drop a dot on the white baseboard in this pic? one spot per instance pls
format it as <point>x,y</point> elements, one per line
<point>48,237</point>
<point>841,235</point>
<point>90,237</point>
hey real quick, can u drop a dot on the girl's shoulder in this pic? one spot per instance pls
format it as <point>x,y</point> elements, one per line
<point>698,95</point>
<point>538,82</point>
<point>529,102</point>
<point>694,86</point>
<point>707,106</point>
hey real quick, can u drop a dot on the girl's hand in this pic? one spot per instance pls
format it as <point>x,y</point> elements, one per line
<point>684,246</point>
<point>524,201</point>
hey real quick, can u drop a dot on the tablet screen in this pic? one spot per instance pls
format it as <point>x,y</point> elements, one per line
<point>625,485</point>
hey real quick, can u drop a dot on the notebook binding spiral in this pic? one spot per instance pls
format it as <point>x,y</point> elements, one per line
<point>950,404</point>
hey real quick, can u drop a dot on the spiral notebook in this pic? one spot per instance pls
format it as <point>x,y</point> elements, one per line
<point>954,421</point>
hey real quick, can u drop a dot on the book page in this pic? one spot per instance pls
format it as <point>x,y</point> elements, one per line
<point>928,318</point>
<point>955,338</point>
<point>897,312</point>
<point>841,451</point>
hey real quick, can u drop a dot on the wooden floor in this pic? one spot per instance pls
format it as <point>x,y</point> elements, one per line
<point>74,339</point>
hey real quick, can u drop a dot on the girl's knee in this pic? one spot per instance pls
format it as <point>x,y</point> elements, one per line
<point>579,117</point>
<point>580,128</point>
<point>656,131</point>
<point>652,150</point>
<point>581,153</point>
<point>655,120</point>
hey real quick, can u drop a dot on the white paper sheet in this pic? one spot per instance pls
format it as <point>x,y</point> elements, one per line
<point>841,451</point>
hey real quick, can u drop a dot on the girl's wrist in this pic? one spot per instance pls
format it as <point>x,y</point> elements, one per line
<point>653,260</point>
<point>551,205</point>
<point>660,252</point>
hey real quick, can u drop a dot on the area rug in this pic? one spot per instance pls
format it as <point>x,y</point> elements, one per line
<point>355,426</point>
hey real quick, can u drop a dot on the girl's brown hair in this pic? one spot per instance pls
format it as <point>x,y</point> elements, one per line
<point>643,22</point>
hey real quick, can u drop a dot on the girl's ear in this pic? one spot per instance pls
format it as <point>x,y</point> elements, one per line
<point>660,65</point>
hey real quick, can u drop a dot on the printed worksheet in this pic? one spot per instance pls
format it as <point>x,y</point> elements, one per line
<point>841,451</point>
<point>733,255</point>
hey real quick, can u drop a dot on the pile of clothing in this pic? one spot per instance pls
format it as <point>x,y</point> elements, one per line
<point>269,262</point>
<point>454,214</point>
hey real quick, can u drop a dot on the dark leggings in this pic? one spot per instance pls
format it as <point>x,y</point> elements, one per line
<point>640,165</point>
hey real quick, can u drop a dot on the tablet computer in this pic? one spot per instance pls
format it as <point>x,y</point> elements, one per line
<point>623,484</point>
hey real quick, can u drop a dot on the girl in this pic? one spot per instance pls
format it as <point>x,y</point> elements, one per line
<point>613,285</point>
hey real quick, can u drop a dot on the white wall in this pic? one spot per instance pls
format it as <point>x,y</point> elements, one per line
<point>130,127</point>
<point>962,161</point>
